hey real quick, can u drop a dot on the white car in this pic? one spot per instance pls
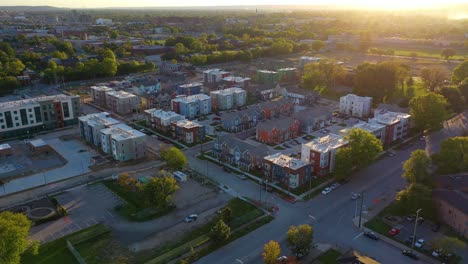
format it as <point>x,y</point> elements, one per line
<point>419,243</point>
<point>355,196</point>
<point>191,218</point>
<point>327,190</point>
<point>335,185</point>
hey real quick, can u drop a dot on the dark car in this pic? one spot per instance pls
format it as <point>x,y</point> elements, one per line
<point>371,235</point>
<point>226,169</point>
<point>410,254</point>
<point>436,227</point>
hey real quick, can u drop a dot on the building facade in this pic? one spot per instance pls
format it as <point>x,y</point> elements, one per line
<point>192,106</point>
<point>277,131</point>
<point>161,120</point>
<point>28,116</point>
<point>270,77</point>
<point>321,152</point>
<point>188,131</point>
<point>90,126</point>
<point>228,98</point>
<point>375,129</point>
<point>189,88</point>
<point>396,124</point>
<point>98,93</point>
<point>214,75</point>
<point>289,171</point>
<point>354,105</point>
<point>123,142</point>
<point>122,102</point>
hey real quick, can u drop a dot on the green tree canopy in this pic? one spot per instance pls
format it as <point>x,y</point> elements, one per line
<point>428,111</point>
<point>220,232</point>
<point>14,231</point>
<point>318,45</point>
<point>300,239</point>
<point>344,163</point>
<point>159,190</point>
<point>463,88</point>
<point>447,53</point>
<point>460,72</point>
<point>364,147</point>
<point>415,196</point>
<point>174,158</point>
<point>448,244</point>
<point>271,252</point>
<point>416,168</point>
<point>325,73</point>
<point>433,77</point>
<point>454,98</point>
<point>453,155</point>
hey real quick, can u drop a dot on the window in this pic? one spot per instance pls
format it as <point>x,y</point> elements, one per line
<point>3,127</point>
<point>1,121</point>
<point>17,124</point>
<point>9,121</point>
<point>16,118</point>
<point>24,117</point>
<point>15,112</point>
<point>30,110</point>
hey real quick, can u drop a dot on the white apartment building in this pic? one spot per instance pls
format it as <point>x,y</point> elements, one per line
<point>376,129</point>
<point>397,124</point>
<point>354,105</point>
<point>98,93</point>
<point>321,153</point>
<point>91,125</point>
<point>214,75</point>
<point>228,98</point>
<point>123,142</point>
<point>122,102</point>
<point>192,106</point>
<point>161,120</point>
<point>306,60</point>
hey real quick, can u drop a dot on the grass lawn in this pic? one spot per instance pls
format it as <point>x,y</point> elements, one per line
<point>378,225</point>
<point>56,252</point>
<point>329,257</point>
<point>279,148</point>
<point>427,53</point>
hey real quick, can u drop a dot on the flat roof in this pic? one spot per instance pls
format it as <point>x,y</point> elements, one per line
<point>161,113</point>
<point>5,146</point>
<point>37,143</point>
<point>285,161</point>
<point>120,94</point>
<point>122,132</point>
<point>326,143</point>
<point>387,117</point>
<point>35,101</point>
<point>101,88</point>
<point>187,124</point>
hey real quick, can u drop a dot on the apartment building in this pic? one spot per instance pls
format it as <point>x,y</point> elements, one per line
<point>98,93</point>
<point>90,126</point>
<point>228,98</point>
<point>214,75</point>
<point>189,88</point>
<point>123,142</point>
<point>287,74</point>
<point>321,153</point>
<point>396,124</point>
<point>304,60</point>
<point>122,102</point>
<point>376,129</point>
<point>354,105</point>
<point>188,131</point>
<point>270,77</point>
<point>161,120</point>
<point>236,81</point>
<point>289,171</point>
<point>192,106</point>
<point>28,116</point>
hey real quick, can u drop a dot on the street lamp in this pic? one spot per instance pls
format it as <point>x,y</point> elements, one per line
<point>414,231</point>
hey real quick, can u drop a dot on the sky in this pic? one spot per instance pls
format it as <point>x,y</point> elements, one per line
<point>381,4</point>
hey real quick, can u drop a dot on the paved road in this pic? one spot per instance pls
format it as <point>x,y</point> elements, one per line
<point>332,214</point>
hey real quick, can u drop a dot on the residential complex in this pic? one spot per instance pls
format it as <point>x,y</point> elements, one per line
<point>354,105</point>
<point>122,102</point>
<point>161,120</point>
<point>123,142</point>
<point>214,75</point>
<point>188,131</point>
<point>270,77</point>
<point>278,130</point>
<point>192,106</point>
<point>189,88</point>
<point>90,126</point>
<point>98,93</point>
<point>321,153</point>
<point>376,129</point>
<point>290,171</point>
<point>236,81</point>
<point>28,116</point>
<point>228,98</point>
<point>397,124</point>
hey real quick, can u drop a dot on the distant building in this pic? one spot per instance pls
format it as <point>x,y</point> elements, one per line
<point>312,119</point>
<point>228,98</point>
<point>151,50</point>
<point>354,105</point>
<point>104,21</point>
<point>397,124</point>
<point>304,60</point>
<point>287,74</point>
<point>375,129</point>
<point>290,171</point>
<point>189,88</point>
<point>28,116</point>
<point>98,93</point>
<point>270,77</point>
<point>235,81</point>
<point>123,142</point>
<point>321,152</point>
<point>214,75</point>
<point>122,102</point>
<point>161,120</point>
<point>188,131</point>
<point>90,126</point>
<point>192,106</point>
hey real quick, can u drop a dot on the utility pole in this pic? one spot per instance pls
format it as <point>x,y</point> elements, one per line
<point>414,231</point>
<point>360,211</point>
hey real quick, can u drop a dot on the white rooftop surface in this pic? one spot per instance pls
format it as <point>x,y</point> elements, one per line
<point>38,143</point>
<point>161,113</point>
<point>5,146</point>
<point>120,94</point>
<point>326,143</point>
<point>187,124</point>
<point>266,71</point>
<point>102,88</point>
<point>371,127</point>
<point>188,85</point>
<point>191,98</point>
<point>287,69</point>
<point>310,58</point>
<point>102,118</point>
<point>286,161</point>
<point>32,101</point>
<point>387,117</point>
<point>122,132</point>
<point>356,97</point>
<point>235,79</point>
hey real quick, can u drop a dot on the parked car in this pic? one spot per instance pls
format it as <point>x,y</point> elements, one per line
<point>371,235</point>
<point>391,154</point>
<point>241,176</point>
<point>410,254</point>
<point>394,231</point>
<point>411,218</point>
<point>435,227</point>
<point>282,259</point>
<point>327,190</point>
<point>419,243</point>
<point>355,196</point>
<point>335,185</point>
<point>420,220</point>
<point>409,240</point>
<point>191,218</point>
<point>226,169</point>
<point>437,252</point>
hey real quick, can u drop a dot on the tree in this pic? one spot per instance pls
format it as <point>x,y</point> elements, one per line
<point>159,190</point>
<point>453,155</point>
<point>447,53</point>
<point>59,55</point>
<point>127,182</point>
<point>300,239</point>
<point>428,111</point>
<point>364,147</point>
<point>271,252</point>
<point>108,67</point>
<point>460,72</point>
<point>317,45</point>
<point>415,196</point>
<point>174,158</point>
<point>14,231</point>
<point>448,244</point>
<point>322,74</point>
<point>180,49</point>
<point>454,98</point>
<point>226,214</point>
<point>107,54</point>
<point>433,77</point>
<point>281,46</point>
<point>220,232</point>
<point>416,168</point>
<point>344,163</point>
<point>463,88</point>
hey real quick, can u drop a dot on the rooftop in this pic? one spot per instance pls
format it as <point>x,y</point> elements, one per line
<point>266,71</point>
<point>233,142</point>
<point>370,127</point>
<point>120,94</point>
<point>35,101</point>
<point>122,132</point>
<point>356,97</point>
<point>102,118</point>
<point>101,88</point>
<point>326,143</point>
<point>235,79</point>
<point>388,118</point>
<point>191,98</point>
<point>285,161</point>
<point>161,113</point>
<point>188,85</point>
<point>5,146</point>
<point>280,123</point>
<point>187,124</point>
<point>228,91</point>
<point>456,199</point>
<point>453,181</point>
<point>37,143</point>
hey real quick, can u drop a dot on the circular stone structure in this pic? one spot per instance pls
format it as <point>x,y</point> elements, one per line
<point>41,213</point>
